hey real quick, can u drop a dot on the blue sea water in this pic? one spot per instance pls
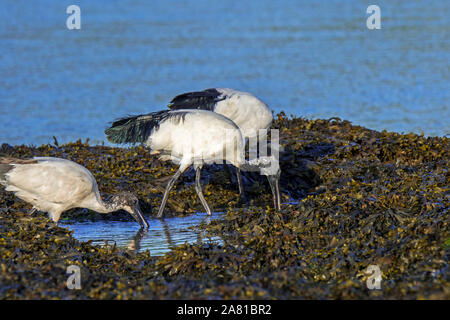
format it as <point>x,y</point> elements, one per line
<point>315,59</point>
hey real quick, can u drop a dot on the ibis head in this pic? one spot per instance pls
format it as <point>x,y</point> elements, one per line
<point>274,181</point>
<point>268,166</point>
<point>273,173</point>
<point>130,203</point>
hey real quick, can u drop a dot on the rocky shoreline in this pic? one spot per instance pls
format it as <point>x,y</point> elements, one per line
<point>358,198</point>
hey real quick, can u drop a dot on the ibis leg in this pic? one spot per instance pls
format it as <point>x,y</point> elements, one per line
<point>198,188</point>
<point>166,193</point>
<point>241,185</point>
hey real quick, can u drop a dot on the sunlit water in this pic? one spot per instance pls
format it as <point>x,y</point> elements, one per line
<point>310,58</point>
<point>162,235</point>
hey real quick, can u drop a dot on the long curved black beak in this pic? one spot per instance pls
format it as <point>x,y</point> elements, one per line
<point>274,182</point>
<point>139,217</point>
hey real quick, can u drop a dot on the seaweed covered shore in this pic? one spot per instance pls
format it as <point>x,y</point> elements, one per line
<point>353,198</point>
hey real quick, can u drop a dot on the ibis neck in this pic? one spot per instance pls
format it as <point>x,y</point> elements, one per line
<point>248,166</point>
<point>251,165</point>
<point>109,206</point>
<point>96,203</point>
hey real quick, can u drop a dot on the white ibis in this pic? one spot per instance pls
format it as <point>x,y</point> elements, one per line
<point>55,185</point>
<point>193,137</point>
<point>248,112</point>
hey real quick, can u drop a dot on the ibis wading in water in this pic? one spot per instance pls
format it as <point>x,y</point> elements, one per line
<point>55,185</point>
<point>248,112</point>
<point>193,137</point>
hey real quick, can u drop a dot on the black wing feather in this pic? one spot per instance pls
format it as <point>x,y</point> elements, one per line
<point>204,100</point>
<point>133,129</point>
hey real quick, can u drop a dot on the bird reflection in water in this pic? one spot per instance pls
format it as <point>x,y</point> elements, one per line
<point>135,242</point>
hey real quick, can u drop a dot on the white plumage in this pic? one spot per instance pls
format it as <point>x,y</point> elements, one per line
<point>248,112</point>
<point>193,137</point>
<point>55,185</point>
<point>200,135</point>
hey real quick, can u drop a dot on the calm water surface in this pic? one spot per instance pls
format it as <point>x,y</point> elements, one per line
<point>310,58</point>
<point>162,235</point>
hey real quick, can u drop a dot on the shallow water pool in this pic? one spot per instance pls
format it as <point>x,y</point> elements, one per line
<point>162,235</point>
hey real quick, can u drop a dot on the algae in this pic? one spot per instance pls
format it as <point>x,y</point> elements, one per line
<point>353,197</point>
